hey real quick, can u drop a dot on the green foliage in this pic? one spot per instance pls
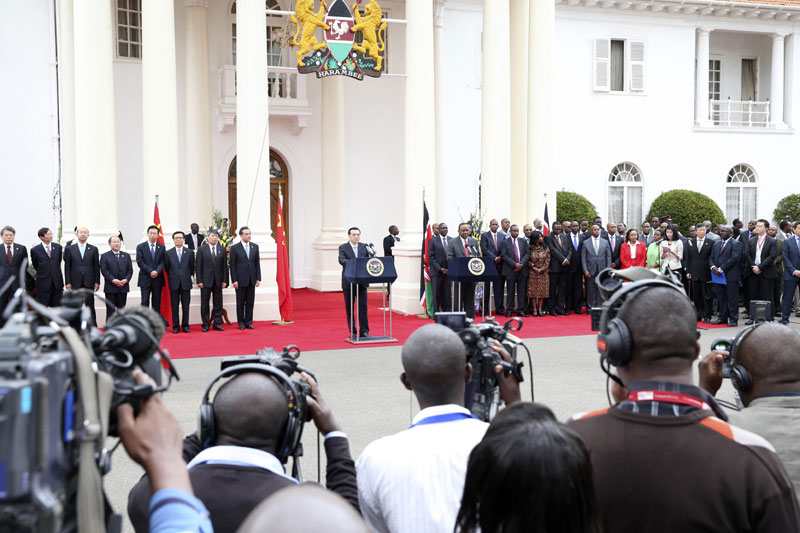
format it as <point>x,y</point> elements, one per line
<point>686,208</point>
<point>788,209</point>
<point>573,206</point>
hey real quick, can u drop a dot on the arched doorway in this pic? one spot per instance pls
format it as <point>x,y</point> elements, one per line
<point>278,180</point>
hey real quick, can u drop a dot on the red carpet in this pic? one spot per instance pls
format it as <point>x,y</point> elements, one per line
<point>320,324</point>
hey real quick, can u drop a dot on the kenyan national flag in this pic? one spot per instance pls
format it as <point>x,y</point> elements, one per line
<point>339,37</point>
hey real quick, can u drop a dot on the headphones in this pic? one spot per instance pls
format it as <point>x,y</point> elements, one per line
<point>741,379</point>
<point>296,403</point>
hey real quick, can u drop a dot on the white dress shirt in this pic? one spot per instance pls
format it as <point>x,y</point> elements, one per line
<point>413,481</point>
<point>240,456</point>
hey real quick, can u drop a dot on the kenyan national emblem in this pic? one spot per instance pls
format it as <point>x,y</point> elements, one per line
<point>375,267</point>
<point>476,266</point>
<point>339,54</point>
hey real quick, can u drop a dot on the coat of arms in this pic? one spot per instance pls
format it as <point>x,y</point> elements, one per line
<point>339,54</point>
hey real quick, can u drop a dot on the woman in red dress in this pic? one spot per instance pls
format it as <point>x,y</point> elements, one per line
<point>633,252</point>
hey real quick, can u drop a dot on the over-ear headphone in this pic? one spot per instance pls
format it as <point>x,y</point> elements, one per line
<point>296,403</point>
<point>741,379</point>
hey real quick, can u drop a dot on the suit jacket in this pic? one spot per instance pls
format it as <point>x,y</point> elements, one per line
<point>346,254</point>
<point>388,244</point>
<point>190,242</point>
<point>791,258</point>
<point>575,261</point>
<point>112,269</point>
<point>437,254</point>
<point>592,262</point>
<point>509,259</point>
<point>7,271</point>
<point>82,272</point>
<point>618,240</point>
<point>212,271</point>
<point>745,236</point>
<point>487,244</point>
<point>646,239</point>
<point>697,259</point>
<point>560,250</point>
<point>455,248</point>
<point>769,251</point>
<point>779,257</point>
<point>48,269</point>
<point>625,260</point>
<point>180,275</point>
<point>246,271</point>
<point>727,259</point>
<point>147,264</point>
<point>231,491</point>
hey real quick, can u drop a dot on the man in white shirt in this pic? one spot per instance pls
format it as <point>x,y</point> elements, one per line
<point>413,480</point>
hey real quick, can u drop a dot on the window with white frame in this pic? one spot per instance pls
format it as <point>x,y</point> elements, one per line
<point>129,29</point>
<point>625,195</point>
<point>715,86</point>
<point>618,65</point>
<point>741,193</point>
<point>276,29</point>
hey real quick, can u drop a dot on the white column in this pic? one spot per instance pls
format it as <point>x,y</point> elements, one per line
<point>701,111</point>
<point>776,87</point>
<point>198,114</point>
<point>541,178</point>
<point>788,80</point>
<point>420,164</point>
<point>495,111</point>
<point>437,196</point>
<point>327,272</point>
<point>252,147</point>
<point>519,12</point>
<point>66,70</point>
<point>95,135</point>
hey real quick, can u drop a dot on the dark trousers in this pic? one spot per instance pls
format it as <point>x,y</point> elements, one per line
<point>206,294</point>
<point>441,293</point>
<point>180,297</point>
<point>88,301</point>
<point>363,321</point>
<point>777,290</point>
<point>497,291</point>
<point>118,300</point>
<point>558,291</point>
<point>728,301</point>
<point>51,296</point>
<point>759,288</point>
<point>702,301</point>
<point>151,297</point>
<point>789,286</point>
<point>4,299</point>
<point>593,298</point>
<point>516,284</point>
<point>465,298</point>
<point>575,291</point>
<point>245,297</point>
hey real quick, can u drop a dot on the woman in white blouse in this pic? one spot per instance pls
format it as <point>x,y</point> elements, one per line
<point>672,251</point>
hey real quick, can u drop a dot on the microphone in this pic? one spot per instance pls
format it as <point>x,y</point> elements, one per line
<point>371,249</point>
<point>473,250</point>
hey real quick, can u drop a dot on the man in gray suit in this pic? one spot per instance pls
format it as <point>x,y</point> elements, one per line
<point>464,246</point>
<point>595,256</point>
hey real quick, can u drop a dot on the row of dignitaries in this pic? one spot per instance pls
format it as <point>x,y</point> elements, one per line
<point>441,250</point>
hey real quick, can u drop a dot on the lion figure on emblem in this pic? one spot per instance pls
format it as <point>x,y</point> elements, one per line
<point>370,25</point>
<point>310,21</point>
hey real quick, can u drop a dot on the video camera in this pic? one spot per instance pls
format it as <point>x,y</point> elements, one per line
<point>61,381</point>
<point>482,395</point>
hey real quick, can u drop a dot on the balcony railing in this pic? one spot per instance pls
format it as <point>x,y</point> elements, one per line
<point>738,114</point>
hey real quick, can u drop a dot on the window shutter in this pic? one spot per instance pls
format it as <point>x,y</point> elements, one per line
<point>601,79</point>
<point>637,66</point>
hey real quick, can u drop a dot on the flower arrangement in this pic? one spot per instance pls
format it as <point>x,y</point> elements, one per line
<point>475,221</point>
<point>220,223</point>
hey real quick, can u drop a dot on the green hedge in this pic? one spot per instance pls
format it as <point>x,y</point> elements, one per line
<point>788,209</point>
<point>573,206</point>
<point>686,208</point>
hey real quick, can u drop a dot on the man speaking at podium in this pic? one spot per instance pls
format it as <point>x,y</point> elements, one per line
<point>347,251</point>
<point>464,246</point>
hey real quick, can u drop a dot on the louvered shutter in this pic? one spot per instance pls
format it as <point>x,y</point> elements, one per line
<point>637,66</point>
<point>601,73</point>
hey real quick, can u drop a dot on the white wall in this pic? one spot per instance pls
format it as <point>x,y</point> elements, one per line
<point>731,48</point>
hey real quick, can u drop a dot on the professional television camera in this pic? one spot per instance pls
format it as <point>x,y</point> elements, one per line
<point>60,383</point>
<point>482,396</point>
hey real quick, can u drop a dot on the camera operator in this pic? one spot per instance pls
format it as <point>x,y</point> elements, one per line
<point>241,468</point>
<point>413,480</point>
<point>769,355</point>
<point>664,459</point>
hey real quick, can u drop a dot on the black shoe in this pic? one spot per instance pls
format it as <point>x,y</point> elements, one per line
<point>186,329</point>
<point>797,314</point>
<point>785,322</point>
<point>719,321</point>
<point>176,330</point>
<point>706,321</point>
<point>749,322</point>
<point>241,326</point>
<point>218,328</point>
<point>733,323</point>
<point>205,328</point>
<point>250,326</point>
<point>365,334</point>
<point>522,313</point>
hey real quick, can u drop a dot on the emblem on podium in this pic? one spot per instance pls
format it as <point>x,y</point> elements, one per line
<point>476,266</point>
<point>374,267</point>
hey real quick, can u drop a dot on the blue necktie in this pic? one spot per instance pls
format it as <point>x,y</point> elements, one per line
<point>83,250</point>
<point>153,251</point>
<point>575,241</point>
<point>179,257</point>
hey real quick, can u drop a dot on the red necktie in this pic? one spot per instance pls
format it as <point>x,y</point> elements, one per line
<point>495,242</point>
<point>10,257</point>
<point>466,252</point>
<point>516,249</point>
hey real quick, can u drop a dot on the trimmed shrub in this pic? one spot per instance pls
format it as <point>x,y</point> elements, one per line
<point>573,206</point>
<point>686,208</point>
<point>788,209</point>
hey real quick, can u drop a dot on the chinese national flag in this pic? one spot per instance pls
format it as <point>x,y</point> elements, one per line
<point>166,307</point>
<point>283,278</point>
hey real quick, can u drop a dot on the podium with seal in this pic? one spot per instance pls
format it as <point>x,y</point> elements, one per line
<point>371,271</point>
<point>470,270</point>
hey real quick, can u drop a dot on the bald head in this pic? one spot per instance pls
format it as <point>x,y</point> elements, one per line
<point>250,410</point>
<point>771,353</point>
<point>434,364</point>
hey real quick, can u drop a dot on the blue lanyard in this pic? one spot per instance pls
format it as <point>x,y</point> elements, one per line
<point>447,417</point>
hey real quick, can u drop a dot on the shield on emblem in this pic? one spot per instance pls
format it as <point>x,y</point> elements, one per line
<point>339,36</point>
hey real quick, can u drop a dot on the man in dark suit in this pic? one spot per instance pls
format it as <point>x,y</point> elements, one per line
<point>212,277</point>
<point>646,235</point>
<point>615,243</point>
<point>11,262</point>
<point>46,259</point>
<point>437,255</point>
<point>465,246</point>
<point>575,281</point>
<point>597,221</point>
<point>777,287</point>
<point>595,257</point>
<point>352,249</point>
<point>246,276</point>
<point>195,239</point>
<point>515,253</point>
<point>150,259</point>
<point>791,271</point>
<point>560,261</point>
<point>698,273</point>
<point>389,240</point>
<point>490,247</point>
<point>179,263</point>
<point>240,466</point>
<point>82,268</point>
<point>760,270</point>
<point>725,258</point>
<point>117,270</point>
